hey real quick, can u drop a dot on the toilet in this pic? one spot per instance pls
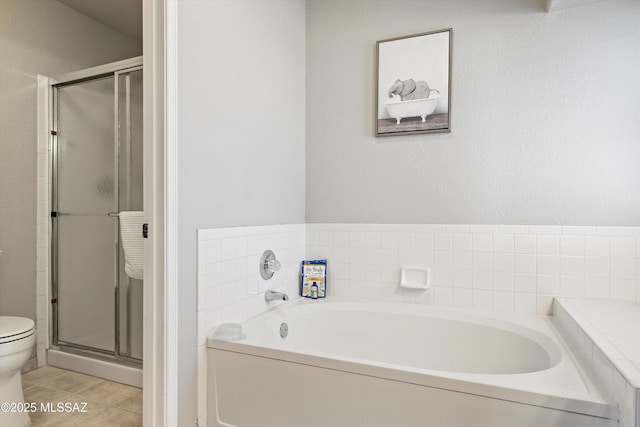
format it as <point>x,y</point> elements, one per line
<point>17,338</point>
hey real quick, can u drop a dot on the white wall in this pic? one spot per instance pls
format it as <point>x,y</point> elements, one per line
<point>544,116</point>
<point>241,136</point>
<point>36,37</point>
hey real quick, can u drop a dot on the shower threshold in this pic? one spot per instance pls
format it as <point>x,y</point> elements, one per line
<point>123,370</point>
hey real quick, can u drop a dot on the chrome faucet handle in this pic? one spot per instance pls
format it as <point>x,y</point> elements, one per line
<point>273,265</point>
<point>268,264</point>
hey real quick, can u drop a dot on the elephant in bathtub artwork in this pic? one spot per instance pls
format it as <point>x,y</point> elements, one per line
<point>415,99</point>
<point>409,89</point>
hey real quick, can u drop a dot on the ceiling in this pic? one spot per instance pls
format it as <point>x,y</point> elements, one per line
<point>124,16</point>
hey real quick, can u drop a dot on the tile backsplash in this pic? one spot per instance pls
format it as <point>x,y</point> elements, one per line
<point>493,267</point>
<point>230,288</point>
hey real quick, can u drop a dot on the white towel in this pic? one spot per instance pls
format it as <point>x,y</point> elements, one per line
<point>132,243</point>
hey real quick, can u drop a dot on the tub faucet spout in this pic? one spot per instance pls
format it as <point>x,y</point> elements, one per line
<point>275,295</point>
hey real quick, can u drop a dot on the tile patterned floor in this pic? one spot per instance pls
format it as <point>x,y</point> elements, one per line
<point>60,397</point>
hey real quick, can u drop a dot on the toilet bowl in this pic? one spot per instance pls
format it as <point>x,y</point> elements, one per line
<point>17,338</point>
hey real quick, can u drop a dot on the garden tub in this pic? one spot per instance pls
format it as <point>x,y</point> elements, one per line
<point>332,362</point>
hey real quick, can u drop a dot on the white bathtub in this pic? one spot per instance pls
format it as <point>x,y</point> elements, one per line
<point>412,108</point>
<point>373,364</point>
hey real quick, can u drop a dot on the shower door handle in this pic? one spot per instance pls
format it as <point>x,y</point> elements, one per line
<point>56,214</point>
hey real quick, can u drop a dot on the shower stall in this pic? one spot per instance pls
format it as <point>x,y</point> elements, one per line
<point>96,173</point>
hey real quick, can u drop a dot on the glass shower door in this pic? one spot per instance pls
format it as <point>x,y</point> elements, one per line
<point>85,189</point>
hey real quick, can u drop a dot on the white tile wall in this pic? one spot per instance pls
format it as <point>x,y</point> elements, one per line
<point>495,267</point>
<point>42,224</point>
<point>612,371</point>
<point>230,288</point>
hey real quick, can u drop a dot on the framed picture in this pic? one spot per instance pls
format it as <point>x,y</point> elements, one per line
<point>414,84</point>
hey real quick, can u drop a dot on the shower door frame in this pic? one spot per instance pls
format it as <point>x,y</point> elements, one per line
<point>109,70</point>
<point>120,286</point>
